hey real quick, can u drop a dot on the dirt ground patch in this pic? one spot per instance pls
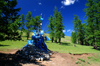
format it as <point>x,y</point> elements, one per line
<point>57,59</point>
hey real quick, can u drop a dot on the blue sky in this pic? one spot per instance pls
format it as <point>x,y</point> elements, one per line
<point>67,7</point>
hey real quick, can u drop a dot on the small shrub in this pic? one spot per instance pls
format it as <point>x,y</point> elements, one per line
<point>88,62</point>
<point>95,59</point>
<point>71,57</point>
<point>70,53</point>
<point>78,62</point>
<point>81,59</point>
<point>90,57</point>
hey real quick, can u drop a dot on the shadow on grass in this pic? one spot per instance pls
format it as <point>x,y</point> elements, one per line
<point>15,60</point>
<point>98,49</point>
<point>64,43</point>
<point>3,45</point>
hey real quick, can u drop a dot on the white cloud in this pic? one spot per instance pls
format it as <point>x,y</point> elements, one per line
<point>62,7</point>
<point>70,31</point>
<point>68,2</point>
<point>40,3</point>
<point>64,31</point>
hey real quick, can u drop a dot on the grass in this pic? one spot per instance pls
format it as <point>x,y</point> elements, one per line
<point>10,45</point>
<point>81,59</point>
<point>78,62</point>
<point>93,60</point>
<point>66,46</point>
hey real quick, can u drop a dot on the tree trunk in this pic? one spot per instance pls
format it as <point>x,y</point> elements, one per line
<point>52,39</point>
<point>27,35</point>
<point>60,41</point>
<point>21,33</point>
<point>81,41</point>
<point>55,41</point>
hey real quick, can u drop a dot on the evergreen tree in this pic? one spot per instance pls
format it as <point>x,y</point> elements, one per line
<point>97,23</point>
<point>78,29</point>
<point>90,14</point>
<point>9,14</point>
<point>56,26</point>
<point>59,27</point>
<point>51,27</point>
<point>14,27</point>
<point>80,32</point>
<point>2,24</point>
<point>28,23</point>
<point>85,39</point>
<point>55,21</point>
<point>73,37</point>
<point>22,24</point>
<point>37,23</point>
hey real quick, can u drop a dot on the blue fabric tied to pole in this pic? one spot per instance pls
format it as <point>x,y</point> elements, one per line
<point>28,43</point>
<point>41,18</point>
<point>38,40</point>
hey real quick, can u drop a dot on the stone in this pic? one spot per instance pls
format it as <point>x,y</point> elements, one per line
<point>32,53</point>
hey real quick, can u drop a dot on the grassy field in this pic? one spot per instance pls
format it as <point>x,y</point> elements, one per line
<point>66,46</point>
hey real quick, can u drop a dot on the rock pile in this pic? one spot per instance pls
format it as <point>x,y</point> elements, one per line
<point>32,53</point>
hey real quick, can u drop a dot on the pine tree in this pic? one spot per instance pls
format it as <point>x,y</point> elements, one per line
<point>78,29</point>
<point>37,23</point>
<point>56,26</point>
<point>59,27</point>
<point>97,23</point>
<point>15,35</point>
<point>80,32</point>
<point>28,24</point>
<point>22,23</point>
<point>2,24</point>
<point>51,27</point>
<point>85,39</point>
<point>9,15</point>
<point>76,26</point>
<point>90,14</point>
<point>55,21</point>
<point>73,37</point>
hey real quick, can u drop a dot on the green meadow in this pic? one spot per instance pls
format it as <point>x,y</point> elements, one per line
<point>66,46</point>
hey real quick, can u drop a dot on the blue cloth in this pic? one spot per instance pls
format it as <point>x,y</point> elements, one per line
<point>41,18</point>
<point>28,43</point>
<point>44,45</point>
<point>38,41</point>
<point>46,38</point>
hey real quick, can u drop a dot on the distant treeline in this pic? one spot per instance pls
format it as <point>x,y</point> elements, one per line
<point>88,33</point>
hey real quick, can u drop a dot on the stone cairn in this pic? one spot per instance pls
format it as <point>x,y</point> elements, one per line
<point>32,53</point>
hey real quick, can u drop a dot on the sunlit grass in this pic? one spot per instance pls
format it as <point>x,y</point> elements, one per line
<point>10,45</point>
<point>66,47</point>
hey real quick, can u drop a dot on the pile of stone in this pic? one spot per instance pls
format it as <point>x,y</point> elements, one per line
<point>32,53</point>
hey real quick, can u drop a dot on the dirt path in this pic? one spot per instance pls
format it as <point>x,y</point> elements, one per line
<point>57,59</point>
